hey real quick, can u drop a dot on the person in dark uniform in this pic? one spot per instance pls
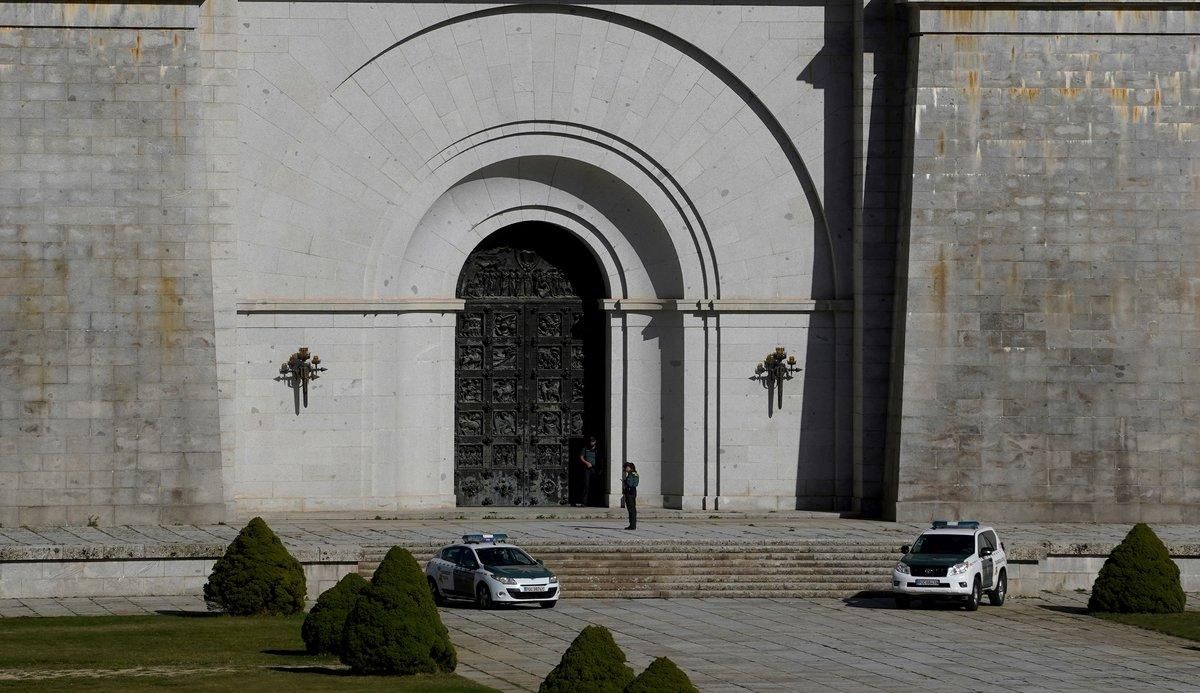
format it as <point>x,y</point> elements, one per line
<point>588,457</point>
<point>629,484</point>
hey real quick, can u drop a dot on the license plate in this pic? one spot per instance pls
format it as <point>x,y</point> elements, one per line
<point>535,588</point>
<point>927,583</point>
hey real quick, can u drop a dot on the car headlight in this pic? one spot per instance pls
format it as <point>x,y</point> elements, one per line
<point>902,569</point>
<point>504,580</point>
<point>958,569</point>
<point>553,580</point>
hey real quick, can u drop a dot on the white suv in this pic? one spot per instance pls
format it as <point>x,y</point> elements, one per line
<point>952,559</point>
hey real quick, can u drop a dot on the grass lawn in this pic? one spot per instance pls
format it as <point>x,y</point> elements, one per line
<point>194,652</point>
<point>1184,625</point>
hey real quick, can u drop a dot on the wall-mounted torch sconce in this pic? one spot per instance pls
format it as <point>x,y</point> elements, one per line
<point>301,367</point>
<point>776,368</point>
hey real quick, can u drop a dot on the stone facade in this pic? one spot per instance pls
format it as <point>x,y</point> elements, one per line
<point>1052,311</point>
<point>967,224</point>
<point>109,410</point>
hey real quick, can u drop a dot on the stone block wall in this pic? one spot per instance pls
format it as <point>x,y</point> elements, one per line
<point>1052,301</point>
<point>109,404</point>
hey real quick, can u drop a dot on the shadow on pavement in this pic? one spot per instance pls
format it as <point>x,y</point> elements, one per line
<point>918,604</point>
<point>1076,610</point>
<point>324,671</point>
<point>184,613</point>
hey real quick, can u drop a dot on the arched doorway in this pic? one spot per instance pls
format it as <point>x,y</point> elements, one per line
<point>530,351</point>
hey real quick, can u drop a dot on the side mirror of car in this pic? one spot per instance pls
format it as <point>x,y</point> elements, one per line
<point>904,549</point>
<point>985,552</point>
<point>541,562</point>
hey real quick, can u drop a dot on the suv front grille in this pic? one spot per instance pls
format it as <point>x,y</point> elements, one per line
<point>924,571</point>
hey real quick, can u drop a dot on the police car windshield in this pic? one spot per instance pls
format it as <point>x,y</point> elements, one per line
<point>504,555</point>
<point>957,544</point>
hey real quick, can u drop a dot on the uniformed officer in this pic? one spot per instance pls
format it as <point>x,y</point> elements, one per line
<point>629,484</point>
<point>588,457</point>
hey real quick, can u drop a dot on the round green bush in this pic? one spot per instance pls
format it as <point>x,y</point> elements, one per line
<point>394,627</point>
<point>662,676</point>
<point>1139,577</point>
<point>322,629</point>
<point>594,663</point>
<point>256,575</point>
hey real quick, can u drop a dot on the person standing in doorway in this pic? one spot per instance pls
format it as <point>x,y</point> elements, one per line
<point>588,457</point>
<point>629,484</point>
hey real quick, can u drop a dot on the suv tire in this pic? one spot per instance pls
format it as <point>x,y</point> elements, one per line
<point>996,596</point>
<point>976,595</point>
<point>548,605</point>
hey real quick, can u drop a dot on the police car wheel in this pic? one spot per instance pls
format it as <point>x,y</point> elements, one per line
<point>976,596</point>
<point>483,598</point>
<point>548,605</point>
<point>903,601</point>
<point>996,596</point>
<point>437,594</point>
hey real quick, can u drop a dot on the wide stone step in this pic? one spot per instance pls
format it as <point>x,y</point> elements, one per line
<point>819,569</point>
<point>732,594</point>
<point>673,549</point>
<point>724,569</point>
<point>708,560</point>
<point>718,589</point>
<point>710,566</point>
<point>717,579</point>
<point>556,557</point>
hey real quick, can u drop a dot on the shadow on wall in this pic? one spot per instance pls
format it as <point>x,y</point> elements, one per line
<point>615,200</point>
<point>667,329</point>
<point>828,475</point>
<point>824,457</point>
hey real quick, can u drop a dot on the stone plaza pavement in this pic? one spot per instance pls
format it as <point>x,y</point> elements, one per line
<point>1042,643</point>
<point>566,525</point>
<point>836,645</point>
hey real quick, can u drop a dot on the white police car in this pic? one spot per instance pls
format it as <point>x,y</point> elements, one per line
<point>952,559</point>
<point>486,569</point>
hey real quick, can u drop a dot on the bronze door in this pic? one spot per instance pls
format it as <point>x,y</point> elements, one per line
<point>520,402</point>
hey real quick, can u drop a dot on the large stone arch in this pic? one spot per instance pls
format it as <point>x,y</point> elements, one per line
<point>629,234</point>
<point>761,124</point>
<point>401,125</point>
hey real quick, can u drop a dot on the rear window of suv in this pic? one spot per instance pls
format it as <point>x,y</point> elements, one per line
<point>956,544</point>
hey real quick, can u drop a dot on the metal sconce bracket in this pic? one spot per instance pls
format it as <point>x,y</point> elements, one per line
<point>774,370</point>
<point>300,369</point>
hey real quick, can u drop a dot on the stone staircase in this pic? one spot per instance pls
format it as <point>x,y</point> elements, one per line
<point>797,569</point>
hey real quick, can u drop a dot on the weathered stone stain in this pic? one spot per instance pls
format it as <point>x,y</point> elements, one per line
<point>170,313</point>
<point>1029,94</point>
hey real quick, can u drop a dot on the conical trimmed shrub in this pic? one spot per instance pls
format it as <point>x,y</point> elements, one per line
<point>1139,577</point>
<point>322,629</point>
<point>594,663</point>
<point>662,676</point>
<point>394,627</point>
<point>256,575</point>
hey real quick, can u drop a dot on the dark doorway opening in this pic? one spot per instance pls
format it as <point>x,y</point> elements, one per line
<point>529,380</point>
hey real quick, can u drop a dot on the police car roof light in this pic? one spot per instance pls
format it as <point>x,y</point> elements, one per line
<point>961,524</point>
<point>484,538</point>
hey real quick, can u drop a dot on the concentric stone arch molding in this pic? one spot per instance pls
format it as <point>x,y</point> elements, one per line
<point>714,66</point>
<point>429,253</point>
<point>587,232</point>
<point>653,171</point>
